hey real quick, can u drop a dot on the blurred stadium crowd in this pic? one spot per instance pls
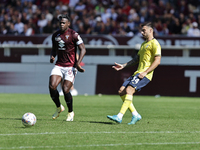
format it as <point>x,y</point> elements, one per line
<point>114,17</point>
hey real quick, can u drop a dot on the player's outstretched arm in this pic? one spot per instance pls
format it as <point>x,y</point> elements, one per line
<point>134,61</point>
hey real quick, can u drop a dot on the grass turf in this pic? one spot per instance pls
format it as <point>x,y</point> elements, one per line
<point>167,123</point>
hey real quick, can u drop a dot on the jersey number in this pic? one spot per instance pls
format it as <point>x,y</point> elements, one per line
<point>135,80</point>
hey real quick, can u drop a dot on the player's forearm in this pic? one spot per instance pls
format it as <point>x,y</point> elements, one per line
<point>82,53</point>
<point>53,53</point>
<point>154,64</point>
<point>134,61</point>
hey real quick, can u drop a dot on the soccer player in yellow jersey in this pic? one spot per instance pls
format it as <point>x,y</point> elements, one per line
<point>148,58</point>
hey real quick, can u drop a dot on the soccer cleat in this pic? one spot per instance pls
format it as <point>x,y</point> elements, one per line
<point>70,116</point>
<point>135,119</point>
<point>114,118</point>
<point>58,111</point>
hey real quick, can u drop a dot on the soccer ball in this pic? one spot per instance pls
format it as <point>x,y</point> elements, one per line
<point>28,119</point>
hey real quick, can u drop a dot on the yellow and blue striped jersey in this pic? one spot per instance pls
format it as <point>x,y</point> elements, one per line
<point>147,53</point>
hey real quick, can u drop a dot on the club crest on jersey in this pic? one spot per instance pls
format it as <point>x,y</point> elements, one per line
<point>66,36</point>
<point>147,46</point>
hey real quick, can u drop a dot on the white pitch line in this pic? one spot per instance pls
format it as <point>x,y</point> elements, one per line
<point>98,145</point>
<point>147,132</point>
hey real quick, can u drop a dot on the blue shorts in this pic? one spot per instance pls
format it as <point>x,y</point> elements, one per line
<point>136,82</point>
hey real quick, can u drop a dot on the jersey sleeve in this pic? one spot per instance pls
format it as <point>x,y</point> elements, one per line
<point>53,50</point>
<point>77,38</point>
<point>156,49</point>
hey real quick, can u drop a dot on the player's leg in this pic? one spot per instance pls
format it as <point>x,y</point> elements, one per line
<point>69,79</point>
<point>127,93</point>
<point>122,93</point>
<point>54,80</point>
<point>68,99</point>
<point>138,84</point>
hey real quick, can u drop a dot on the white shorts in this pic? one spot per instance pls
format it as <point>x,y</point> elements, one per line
<point>67,73</point>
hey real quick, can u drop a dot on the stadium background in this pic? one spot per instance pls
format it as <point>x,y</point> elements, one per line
<point>25,70</point>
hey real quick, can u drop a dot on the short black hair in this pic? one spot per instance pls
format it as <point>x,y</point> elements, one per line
<point>149,24</point>
<point>63,16</point>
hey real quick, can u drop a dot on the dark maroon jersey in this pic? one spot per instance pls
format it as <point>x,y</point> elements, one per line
<point>64,45</point>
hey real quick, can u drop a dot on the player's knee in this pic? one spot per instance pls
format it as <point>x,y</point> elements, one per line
<point>52,87</point>
<point>53,93</point>
<point>66,89</point>
<point>130,90</point>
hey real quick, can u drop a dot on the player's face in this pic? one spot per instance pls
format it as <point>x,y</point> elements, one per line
<point>64,24</point>
<point>146,31</point>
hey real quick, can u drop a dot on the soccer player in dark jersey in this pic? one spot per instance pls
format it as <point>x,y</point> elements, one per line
<point>64,46</point>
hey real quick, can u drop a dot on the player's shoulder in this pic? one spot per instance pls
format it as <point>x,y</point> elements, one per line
<point>72,31</point>
<point>56,33</point>
<point>155,42</point>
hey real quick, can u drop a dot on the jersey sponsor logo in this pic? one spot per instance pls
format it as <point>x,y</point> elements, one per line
<point>61,44</point>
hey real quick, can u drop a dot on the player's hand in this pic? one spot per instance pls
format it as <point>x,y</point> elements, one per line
<point>79,68</point>
<point>118,66</point>
<point>52,59</point>
<point>142,75</point>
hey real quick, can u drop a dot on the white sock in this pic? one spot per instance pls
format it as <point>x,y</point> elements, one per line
<point>134,113</point>
<point>120,115</point>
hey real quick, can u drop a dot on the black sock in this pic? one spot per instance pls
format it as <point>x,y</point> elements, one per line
<point>55,96</point>
<point>69,101</point>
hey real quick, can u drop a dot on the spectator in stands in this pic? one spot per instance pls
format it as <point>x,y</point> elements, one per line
<point>48,15</point>
<point>105,15</point>
<point>160,9</point>
<point>42,22</point>
<point>11,29</point>
<point>186,26</point>
<point>79,8</point>
<point>159,27</point>
<point>147,10</point>
<point>48,28</point>
<point>126,9</point>
<point>182,7</point>
<point>98,29</point>
<point>19,26</point>
<point>176,26</point>
<point>72,4</point>
<point>194,30</point>
<point>86,26</point>
<point>28,30</point>
<point>113,14</point>
<point>99,9</point>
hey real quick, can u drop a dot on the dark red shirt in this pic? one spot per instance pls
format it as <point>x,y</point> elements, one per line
<point>64,45</point>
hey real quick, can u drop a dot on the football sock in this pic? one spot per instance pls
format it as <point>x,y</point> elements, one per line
<point>131,107</point>
<point>55,96</point>
<point>135,113</point>
<point>120,115</point>
<point>69,101</point>
<point>126,104</point>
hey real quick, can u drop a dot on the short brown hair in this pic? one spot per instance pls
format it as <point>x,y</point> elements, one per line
<point>149,24</point>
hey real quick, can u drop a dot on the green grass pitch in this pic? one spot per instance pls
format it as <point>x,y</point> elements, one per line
<point>168,123</point>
